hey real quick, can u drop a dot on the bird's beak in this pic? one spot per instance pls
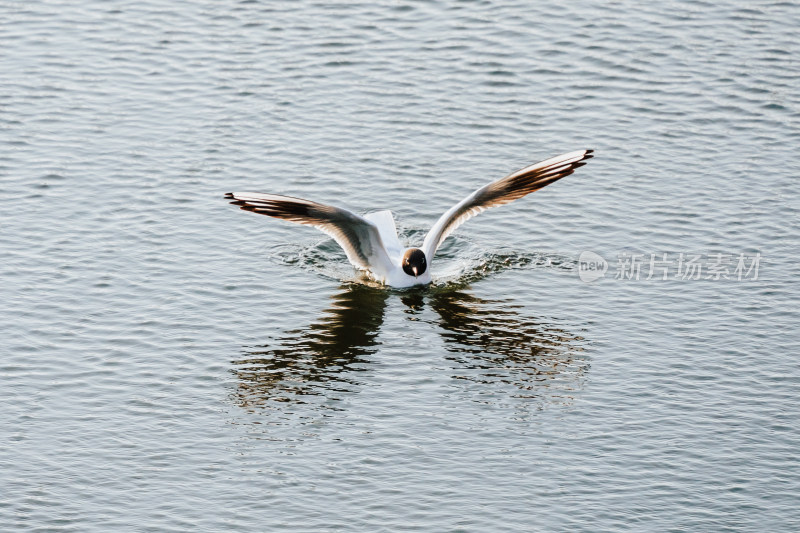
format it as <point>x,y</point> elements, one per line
<point>415,271</point>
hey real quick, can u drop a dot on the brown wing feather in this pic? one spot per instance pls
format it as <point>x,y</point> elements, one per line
<point>358,237</point>
<point>505,190</point>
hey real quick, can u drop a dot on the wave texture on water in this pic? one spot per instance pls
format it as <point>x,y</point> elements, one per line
<point>169,363</point>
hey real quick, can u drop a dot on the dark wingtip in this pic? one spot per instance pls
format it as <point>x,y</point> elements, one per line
<point>229,195</point>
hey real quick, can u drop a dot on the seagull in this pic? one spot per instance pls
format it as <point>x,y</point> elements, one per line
<point>370,241</point>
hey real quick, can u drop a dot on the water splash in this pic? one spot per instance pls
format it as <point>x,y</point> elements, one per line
<point>458,261</point>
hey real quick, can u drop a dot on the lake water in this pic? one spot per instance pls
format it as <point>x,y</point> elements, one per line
<point>170,363</point>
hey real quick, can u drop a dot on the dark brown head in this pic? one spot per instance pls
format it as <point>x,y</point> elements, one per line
<point>414,262</point>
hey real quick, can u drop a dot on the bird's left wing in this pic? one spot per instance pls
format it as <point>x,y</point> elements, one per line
<point>505,190</point>
<point>358,237</point>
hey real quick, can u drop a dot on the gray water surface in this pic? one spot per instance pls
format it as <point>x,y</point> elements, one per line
<point>170,363</point>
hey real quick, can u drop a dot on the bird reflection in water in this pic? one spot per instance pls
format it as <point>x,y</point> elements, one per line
<point>319,357</point>
<point>490,345</point>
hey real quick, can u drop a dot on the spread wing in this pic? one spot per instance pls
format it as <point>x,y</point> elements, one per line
<point>505,190</point>
<point>358,237</point>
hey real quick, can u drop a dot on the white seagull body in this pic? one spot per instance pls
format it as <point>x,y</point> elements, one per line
<point>371,242</point>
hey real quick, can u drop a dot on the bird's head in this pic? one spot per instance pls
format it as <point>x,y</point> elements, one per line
<point>414,262</point>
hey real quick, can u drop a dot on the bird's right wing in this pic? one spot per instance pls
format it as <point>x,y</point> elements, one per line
<point>358,237</point>
<point>505,190</point>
